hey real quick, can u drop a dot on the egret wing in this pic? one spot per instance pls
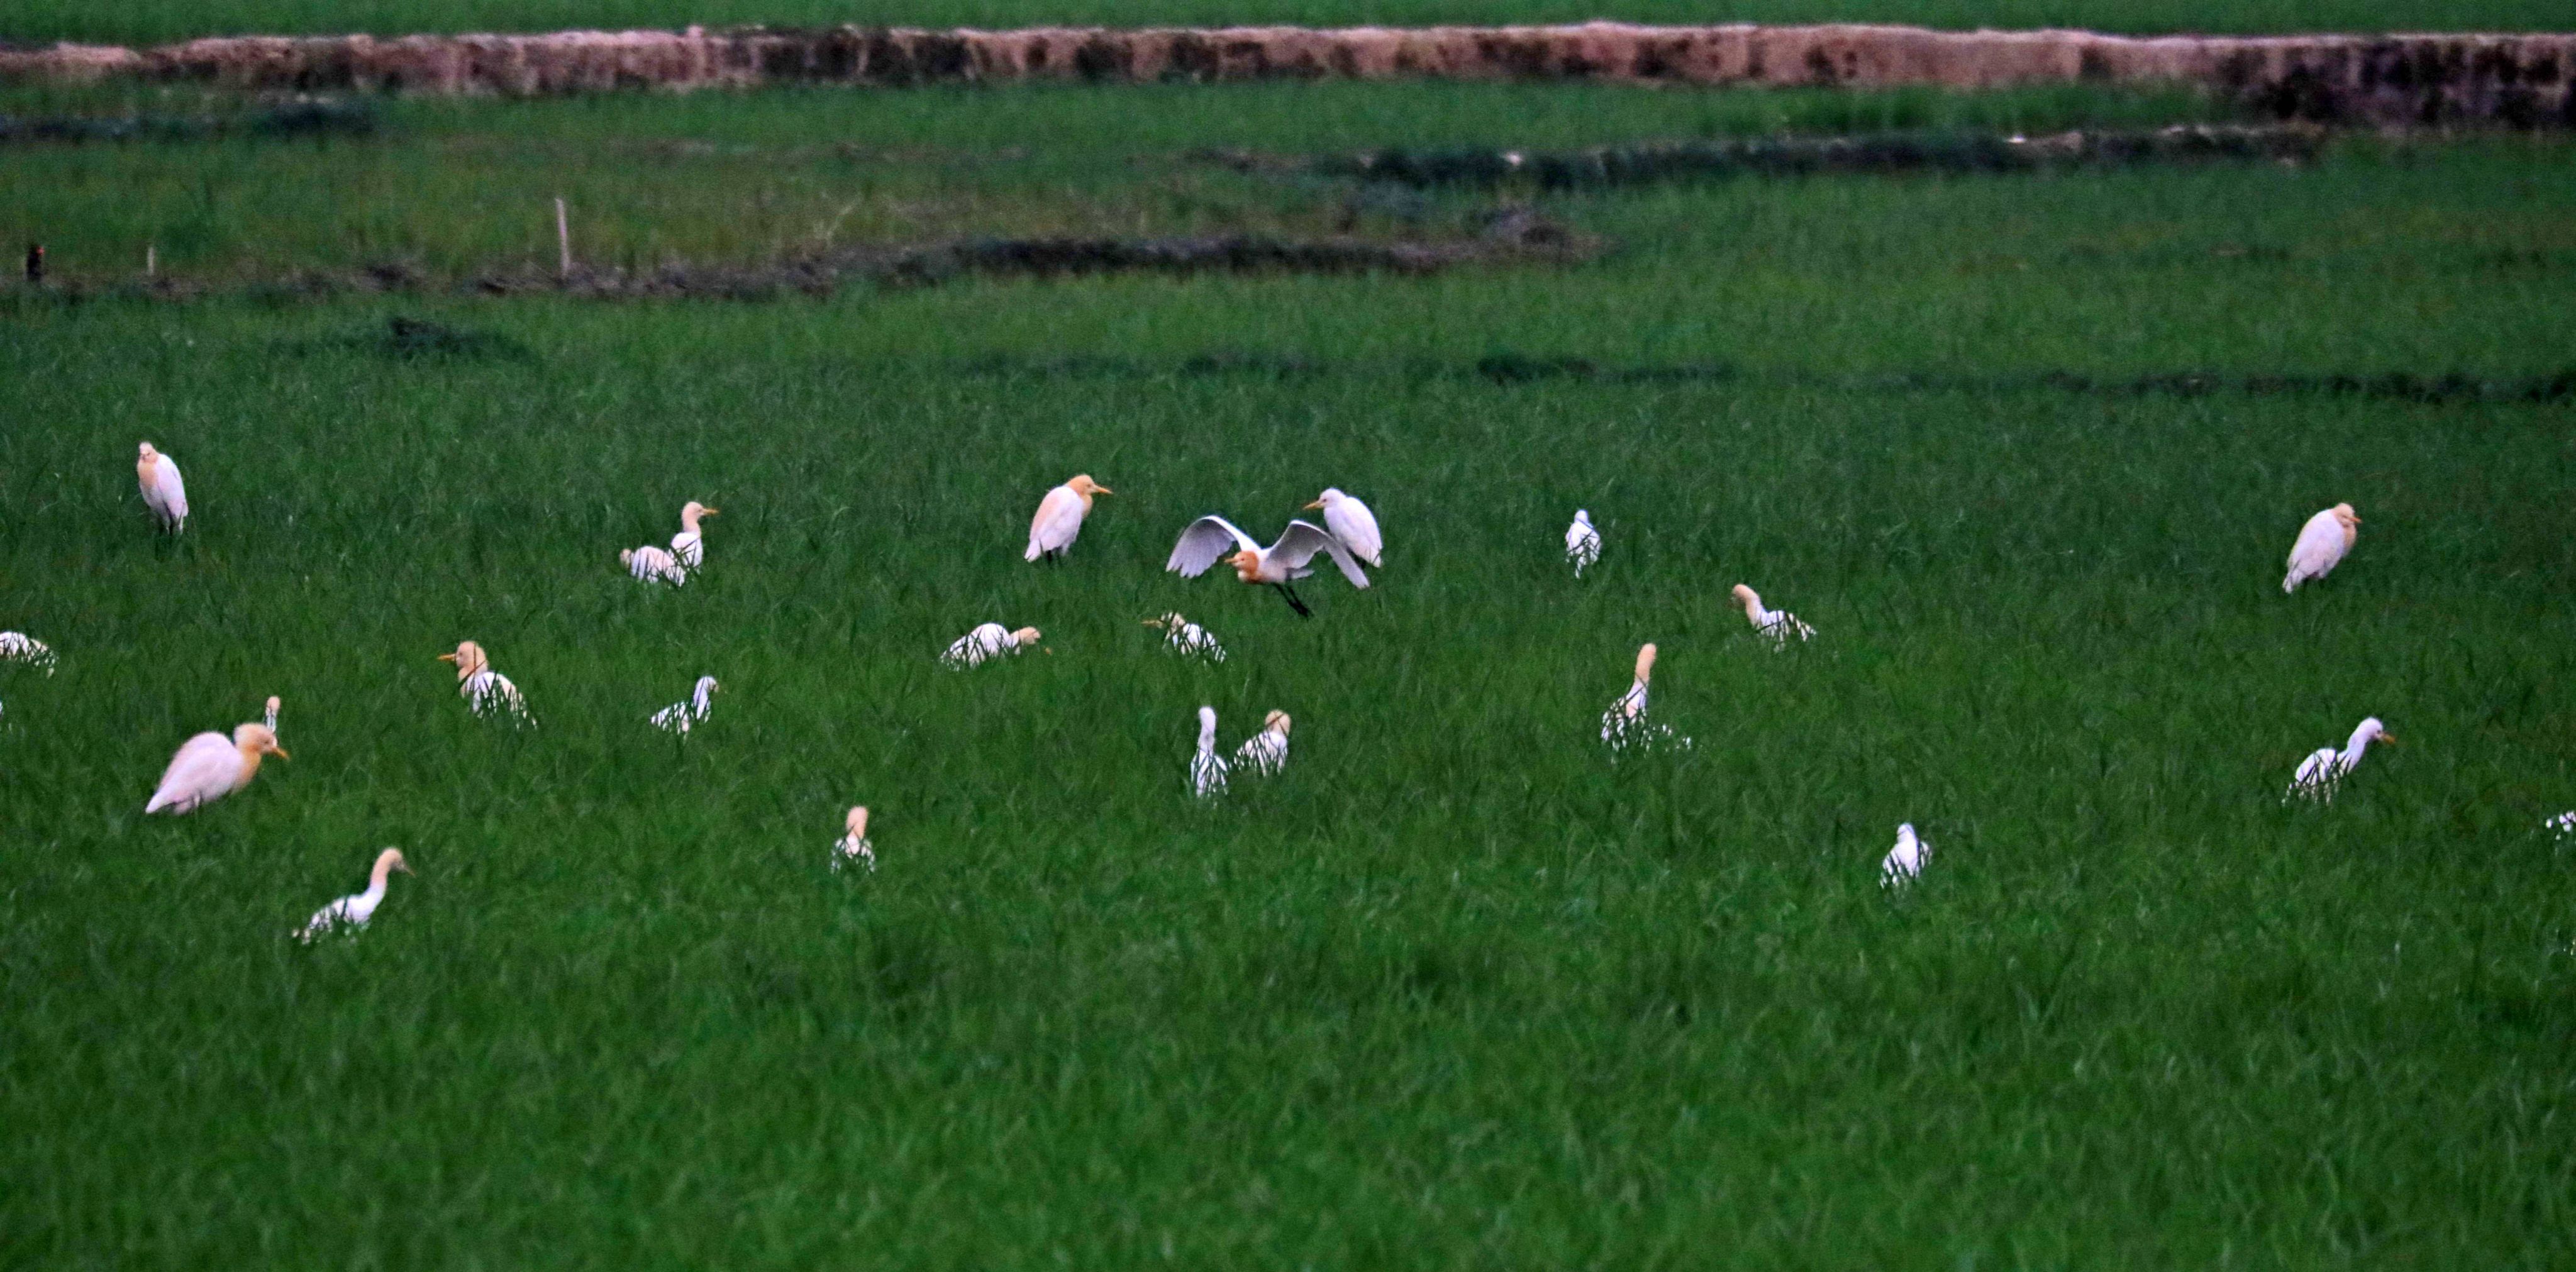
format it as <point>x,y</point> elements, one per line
<point>1303,539</point>
<point>174,492</point>
<point>1209,540</point>
<point>1058,520</point>
<point>1356,526</point>
<point>2319,547</point>
<point>205,765</point>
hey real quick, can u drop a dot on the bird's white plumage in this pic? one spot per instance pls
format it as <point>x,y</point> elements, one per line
<point>1207,768</point>
<point>352,912</point>
<point>26,651</point>
<point>2563,825</point>
<point>1059,516</point>
<point>649,564</point>
<point>689,546</point>
<point>680,717</point>
<point>853,847</point>
<point>164,491</point>
<point>1211,539</point>
<point>2323,771</point>
<point>487,692</point>
<point>987,641</point>
<point>1181,636</point>
<point>1354,525</point>
<point>1266,752</point>
<point>1582,542</point>
<point>1777,626</point>
<point>1904,862</point>
<point>209,766</point>
<point>2321,546</point>
<point>1625,725</point>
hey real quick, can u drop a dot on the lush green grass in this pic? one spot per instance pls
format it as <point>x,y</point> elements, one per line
<point>1455,990</point>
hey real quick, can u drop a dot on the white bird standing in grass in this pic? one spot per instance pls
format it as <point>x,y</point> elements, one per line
<point>1207,768</point>
<point>650,564</point>
<point>1266,752</point>
<point>1351,522</point>
<point>1582,542</point>
<point>1059,518</point>
<point>987,641</point>
<point>1776,626</point>
<point>210,766</point>
<point>486,692</point>
<point>26,651</point>
<point>352,912</point>
<point>1181,636</point>
<point>2324,769</point>
<point>1904,862</point>
<point>1208,539</point>
<point>854,846</point>
<point>163,492</point>
<point>689,546</point>
<point>679,717</point>
<point>2321,546</point>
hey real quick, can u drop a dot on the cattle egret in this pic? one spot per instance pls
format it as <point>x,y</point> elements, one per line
<point>1207,768</point>
<point>679,717</point>
<point>352,912</point>
<point>271,719</point>
<point>1353,524</point>
<point>27,651</point>
<point>1060,514</point>
<point>1582,542</point>
<point>2324,769</point>
<point>486,692</point>
<point>1776,626</point>
<point>1207,540</point>
<point>1181,636</point>
<point>2563,824</point>
<point>1904,862</point>
<point>988,640</point>
<point>2322,543</point>
<point>163,492</point>
<point>689,546</point>
<point>1266,752</point>
<point>1625,725</point>
<point>650,564</point>
<point>854,846</point>
<point>210,766</point>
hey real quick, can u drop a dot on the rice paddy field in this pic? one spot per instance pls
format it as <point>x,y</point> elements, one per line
<point>1457,989</point>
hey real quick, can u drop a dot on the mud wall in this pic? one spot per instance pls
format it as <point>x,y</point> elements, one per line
<point>2515,80</point>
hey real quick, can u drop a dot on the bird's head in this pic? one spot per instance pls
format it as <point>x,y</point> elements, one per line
<point>256,739</point>
<point>272,704</point>
<point>1164,621</point>
<point>468,659</point>
<point>1083,485</point>
<point>1245,562</point>
<point>2344,516</point>
<point>857,821</point>
<point>707,684</point>
<point>1276,722</point>
<point>390,860</point>
<point>1207,719</point>
<point>1747,598</point>
<point>2372,730</point>
<point>146,453</point>
<point>1905,830</point>
<point>626,557</point>
<point>1332,495</point>
<point>692,510</point>
<point>1645,660</point>
<point>1583,516</point>
<point>1025,637</point>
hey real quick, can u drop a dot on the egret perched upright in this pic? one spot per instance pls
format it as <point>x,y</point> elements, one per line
<point>679,717</point>
<point>1353,524</point>
<point>354,910</point>
<point>689,546</point>
<point>987,641</point>
<point>2324,769</point>
<point>1060,514</point>
<point>1904,862</point>
<point>210,766</point>
<point>650,564</point>
<point>163,492</point>
<point>1582,542</point>
<point>26,650</point>
<point>1266,752</point>
<point>854,846</point>
<point>1207,768</point>
<point>2322,543</point>
<point>1776,626</point>
<point>1206,542</point>
<point>486,692</point>
<point>1181,636</point>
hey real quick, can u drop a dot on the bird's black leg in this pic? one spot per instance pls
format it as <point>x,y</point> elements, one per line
<point>1293,602</point>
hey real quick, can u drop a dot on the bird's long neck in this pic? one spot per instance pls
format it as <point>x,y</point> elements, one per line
<point>2353,747</point>
<point>1248,571</point>
<point>376,879</point>
<point>700,699</point>
<point>1085,497</point>
<point>689,519</point>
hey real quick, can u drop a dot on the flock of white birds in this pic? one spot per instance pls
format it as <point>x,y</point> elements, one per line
<point>210,765</point>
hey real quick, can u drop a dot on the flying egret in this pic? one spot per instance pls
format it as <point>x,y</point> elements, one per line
<point>1266,752</point>
<point>26,650</point>
<point>854,846</point>
<point>210,766</point>
<point>353,911</point>
<point>1060,514</point>
<point>987,641</point>
<point>1206,542</point>
<point>1207,768</point>
<point>1776,626</point>
<point>1904,862</point>
<point>2322,543</point>
<point>163,492</point>
<point>679,717</point>
<point>1353,524</point>
<point>650,564</point>
<point>1582,542</point>
<point>486,692</point>
<point>2324,769</point>
<point>1181,636</point>
<point>689,546</point>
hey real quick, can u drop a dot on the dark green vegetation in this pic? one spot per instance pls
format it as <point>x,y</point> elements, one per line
<point>1455,990</point>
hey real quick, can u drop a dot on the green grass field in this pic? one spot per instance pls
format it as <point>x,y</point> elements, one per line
<point>1455,990</point>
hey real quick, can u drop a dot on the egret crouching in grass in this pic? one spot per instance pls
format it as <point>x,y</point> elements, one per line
<point>26,651</point>
<point>987,641</point>
<point>1350,521</point>
<point>679,717</point>
<point>163,492</point>
<point>2324,770</point>
<point>486,692</point>
<point>1059,518</point>
<point>1582,542</point>
<point>1904,862</point>
<point>2321,546</point>
<point>1207,768</point>
<point>1776,626</point>
<point>854,847</point>
<point>1266,752</point>
<point>650,564</point>
<point>1181,636</point>
<point>210,766</point>
<point>689,546</point>
<point>351,912</point>
<point>1625,725</point>
<point>1208,539</point>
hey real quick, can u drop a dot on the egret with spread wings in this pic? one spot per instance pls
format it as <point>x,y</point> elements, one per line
<point>1213,539</point>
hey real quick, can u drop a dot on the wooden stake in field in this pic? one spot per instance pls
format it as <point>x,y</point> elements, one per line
<point>563,241</point>
<point>151,259</point>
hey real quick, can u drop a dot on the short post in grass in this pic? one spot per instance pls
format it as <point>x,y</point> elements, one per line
<point>563,241</point>
<point>151,259</point>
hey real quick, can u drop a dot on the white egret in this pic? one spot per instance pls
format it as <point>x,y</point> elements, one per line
<point>271,719</point>
<point>1266,752</point>
<point>26,650</point>
<point>2324,769</point>
<point>854,846</point>
<point>486,692</point>
<point>1353,524</point>
<point>2321,546</point>
<point>1776,626</point>
<point>2564,825</point>
<point>1207,540</point>
<point>1059,518</point>
<point>210,766</point>
<point>1904,862</point>
<point>1181,636</point>
<point>987,641</point>
<point>163,492</point>
<point>679,717</point>
<point>650,564</point>
<point>1207,768</point>
<point>1625,725</point>
<point>1582,542</point>
<point>352,912</point>
<point>689,546</point>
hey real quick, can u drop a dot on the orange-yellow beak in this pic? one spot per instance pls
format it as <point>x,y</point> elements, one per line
<point>1313,506</point>
<point>447,658</point>
<point>279,751</point>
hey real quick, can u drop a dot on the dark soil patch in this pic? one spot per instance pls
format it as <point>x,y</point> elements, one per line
<point>290,120</point>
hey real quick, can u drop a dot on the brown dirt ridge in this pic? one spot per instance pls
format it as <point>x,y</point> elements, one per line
<point>2513,80</point>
